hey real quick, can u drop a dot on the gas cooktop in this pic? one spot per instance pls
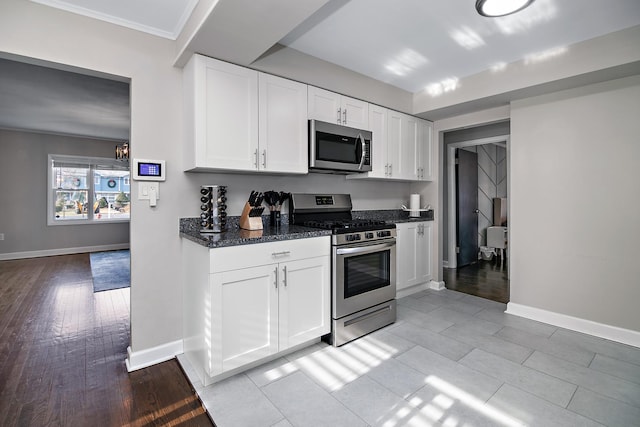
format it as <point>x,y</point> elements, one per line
<point>343,226</point>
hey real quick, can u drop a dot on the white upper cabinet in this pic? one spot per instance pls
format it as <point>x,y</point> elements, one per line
<point>282,125</point>
<point>402,143</point>
<point>240,120</point>
<point>221,115</point>
<point>402,147</point>
<point>379,158</point>
<point>334,108</point>
<point>425,151</point>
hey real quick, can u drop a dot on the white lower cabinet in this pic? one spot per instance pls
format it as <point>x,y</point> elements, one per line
<point>244,317</point>
<point>413,253</point>
<point>246,312</point>
<point>303,301</point>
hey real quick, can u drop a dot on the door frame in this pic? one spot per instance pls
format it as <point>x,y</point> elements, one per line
<point>452,236</point>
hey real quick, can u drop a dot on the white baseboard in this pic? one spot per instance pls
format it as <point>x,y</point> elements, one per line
<point>613,333</point>
<point>445,264</point>
<point>62,251</point>
<point>401,293</point>
<point>151,356</point>
<point>436,286</point>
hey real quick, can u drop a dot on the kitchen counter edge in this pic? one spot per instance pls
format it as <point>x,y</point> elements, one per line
<point>235,236</point>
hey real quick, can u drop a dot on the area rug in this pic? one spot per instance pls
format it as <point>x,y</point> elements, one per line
<point>110,270</point>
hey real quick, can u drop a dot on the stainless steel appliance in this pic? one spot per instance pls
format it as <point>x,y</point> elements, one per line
<point>338,149</point>
<point>363,287</point>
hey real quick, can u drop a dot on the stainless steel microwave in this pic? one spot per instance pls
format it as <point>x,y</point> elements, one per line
<point>338,149</point>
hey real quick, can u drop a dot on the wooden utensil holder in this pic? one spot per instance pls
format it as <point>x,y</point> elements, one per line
<point>250,222</point>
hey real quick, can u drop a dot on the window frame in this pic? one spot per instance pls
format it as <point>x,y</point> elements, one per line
<point>93,163</point>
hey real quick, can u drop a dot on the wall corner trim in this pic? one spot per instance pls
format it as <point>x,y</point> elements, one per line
<point>613,333</point>
<point>436,286</point>
<point>151,356</point>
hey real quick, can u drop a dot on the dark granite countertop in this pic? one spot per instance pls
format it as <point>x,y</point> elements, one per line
<point>393,215</point>
<point>235,236</point>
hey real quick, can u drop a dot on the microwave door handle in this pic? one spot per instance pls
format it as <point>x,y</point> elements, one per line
<point>364,146</point>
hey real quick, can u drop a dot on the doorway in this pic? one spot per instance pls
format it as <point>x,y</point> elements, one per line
<point>467,216</point>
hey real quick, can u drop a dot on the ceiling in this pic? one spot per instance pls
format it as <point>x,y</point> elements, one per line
<point>411,44</point>
<point>414,45</point>
<point>53,100</point>
<point>164,18</point>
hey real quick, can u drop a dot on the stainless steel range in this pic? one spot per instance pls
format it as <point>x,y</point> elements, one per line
<point>363,287</point>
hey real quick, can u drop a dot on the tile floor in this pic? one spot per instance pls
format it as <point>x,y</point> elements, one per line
<point>451,359</point>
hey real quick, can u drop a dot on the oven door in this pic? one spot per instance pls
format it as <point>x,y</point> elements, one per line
<point>363,276</point>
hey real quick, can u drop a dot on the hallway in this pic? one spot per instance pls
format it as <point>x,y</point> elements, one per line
<point>485,279</point>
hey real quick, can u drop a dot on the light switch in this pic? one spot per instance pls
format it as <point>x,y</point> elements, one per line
<point>148,190</point>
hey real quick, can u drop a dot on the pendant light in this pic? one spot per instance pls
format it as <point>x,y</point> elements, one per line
<point>494,8</point>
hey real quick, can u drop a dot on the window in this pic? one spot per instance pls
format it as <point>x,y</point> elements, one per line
<point>84,190</point>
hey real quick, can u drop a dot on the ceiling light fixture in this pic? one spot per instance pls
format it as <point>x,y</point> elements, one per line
<point>494,8</point>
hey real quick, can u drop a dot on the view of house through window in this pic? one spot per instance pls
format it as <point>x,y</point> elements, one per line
<point>87,189</point>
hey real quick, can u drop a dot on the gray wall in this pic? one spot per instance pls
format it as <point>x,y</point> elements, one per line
<point>462,135</point>
<point>574,250</point>
<point>23,188</point>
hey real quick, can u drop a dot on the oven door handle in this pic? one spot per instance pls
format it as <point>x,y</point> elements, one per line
<point>365,249</point>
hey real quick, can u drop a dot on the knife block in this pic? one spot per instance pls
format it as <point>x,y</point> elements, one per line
<point>250,222</point>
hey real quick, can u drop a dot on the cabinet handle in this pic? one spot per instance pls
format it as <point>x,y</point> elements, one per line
<point>283,253</point>
<point>255,153</point>
<point>390,169</point>
<point>264,159</point>
<point>344,116</point>
<point>339,115</point>
<point>284,272</point>
<point>275,283</point>
<point>386,169</point>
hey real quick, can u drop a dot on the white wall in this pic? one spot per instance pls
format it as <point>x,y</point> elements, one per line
<point>37,31</point>
<point>575,203</point>
<point>33,30</point>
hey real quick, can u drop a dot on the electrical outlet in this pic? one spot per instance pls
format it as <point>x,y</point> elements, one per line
<point>1,236</point>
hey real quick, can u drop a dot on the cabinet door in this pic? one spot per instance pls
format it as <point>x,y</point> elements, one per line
<point>355,113</point>
<point>283,125</point>
<point>407,249</point>
<point>227,132</point>
<point>395,132</point>
<point>244,317</point>
<point>408,168</point>
<point>305,307</point>
<point>378,124</point>
<point>425,151</point>
<point>425,242</point>
<point>324,105</point>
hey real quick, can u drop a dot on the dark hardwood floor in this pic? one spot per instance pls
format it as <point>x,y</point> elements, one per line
<point>62,352</point>
<point>486,279</point>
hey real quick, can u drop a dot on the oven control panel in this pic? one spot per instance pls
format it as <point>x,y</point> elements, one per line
<point>363,236</point>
